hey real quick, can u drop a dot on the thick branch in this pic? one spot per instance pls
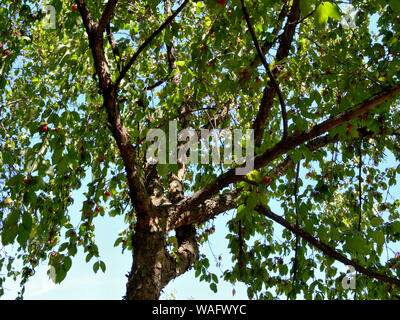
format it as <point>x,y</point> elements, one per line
<point>227,201</point>
<point>87,18</point>
<point>138,193</point>
<point>186,255</point>
<point>204,212</point>
<point>323,247</point>
<point>291,143</point>
<point>106,16</point>
<point>288,34</point>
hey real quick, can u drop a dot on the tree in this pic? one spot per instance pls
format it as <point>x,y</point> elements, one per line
<point>319,93</point>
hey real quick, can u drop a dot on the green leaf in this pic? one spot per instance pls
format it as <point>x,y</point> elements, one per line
<point>23,235</point>
<point>67,262</point>
<point>72,250</point>
<point>215,278</point>
<point>96,266</point>
<point>396,226</point>
<point>102,266</point>
<point>57,155</point>
<point>12,219</point>
<point>117,242</point>
<point>376,221</point>
<point>27,221</point>
<point>89,257</point>
<point>355,244</point>
<point>60,274</point>
<point>213,287</point>
<point>8,235</point>
<point>63,247</point>
<point>325,11</point>
<point>378,237</point>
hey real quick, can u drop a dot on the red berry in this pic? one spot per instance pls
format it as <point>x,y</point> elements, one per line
<point>229,11</point>
<point>6,52</point>
<point>98,209</point>
<point>267,179</point>
<point>101,159</point>
<point>56,129</point>
<point>203,47</point>
<point>108,194</point>
<point>74,7</point>
<point>45,128</point>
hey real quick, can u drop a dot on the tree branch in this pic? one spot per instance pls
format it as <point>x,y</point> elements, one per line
<point>323,247</point>
<point>296,248</point>
<point>106,16</point>
<point>267,69</point>
<point>186,255</point>
<point>138,194</point>
<point>148,41</point>
<point>113,45</point>
<point>283,51</point>
<point>87,18</point>
<point>282,147</point>
<point>225,202</point>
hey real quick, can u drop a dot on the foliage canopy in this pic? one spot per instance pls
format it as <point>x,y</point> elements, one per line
<point>316,81</point>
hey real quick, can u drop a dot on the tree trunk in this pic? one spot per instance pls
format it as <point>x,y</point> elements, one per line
<point>145,279</point>
<point>153,267</point>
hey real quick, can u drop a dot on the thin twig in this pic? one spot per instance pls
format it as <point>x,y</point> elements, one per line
<point>144,45</point>
<point>270,74</point>
<point>296,185</point>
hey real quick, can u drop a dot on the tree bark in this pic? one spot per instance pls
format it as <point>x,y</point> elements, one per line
<point>145,279</point>
<point>153,267</point>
